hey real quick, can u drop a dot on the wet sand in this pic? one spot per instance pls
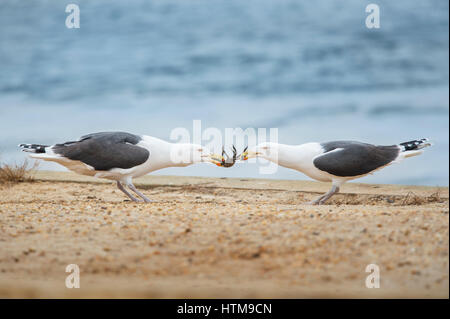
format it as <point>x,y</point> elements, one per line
<point>212,237</point>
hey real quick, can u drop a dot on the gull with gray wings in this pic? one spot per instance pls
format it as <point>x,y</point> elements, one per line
<point>119,156</point>
<point>336,162</point>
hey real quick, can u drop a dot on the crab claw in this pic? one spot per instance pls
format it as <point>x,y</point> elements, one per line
<point>228,161</point>
<point>224,153</point>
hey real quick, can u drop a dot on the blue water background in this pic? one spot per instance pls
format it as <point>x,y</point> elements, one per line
<point>309,68</point>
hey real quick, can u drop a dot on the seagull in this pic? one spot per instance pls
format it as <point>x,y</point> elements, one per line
<point>120,156</point>
<point>336,162</point>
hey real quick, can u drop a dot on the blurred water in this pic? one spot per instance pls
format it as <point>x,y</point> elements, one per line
<point>311,69</point>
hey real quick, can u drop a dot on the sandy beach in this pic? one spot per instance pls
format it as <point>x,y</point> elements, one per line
<point>221,237</point>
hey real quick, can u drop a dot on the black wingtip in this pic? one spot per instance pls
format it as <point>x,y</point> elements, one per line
<point>415,144</point>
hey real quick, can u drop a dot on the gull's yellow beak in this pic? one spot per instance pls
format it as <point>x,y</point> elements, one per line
<point>212,158</point>
<point>248,154</point>
<point>216,159</point>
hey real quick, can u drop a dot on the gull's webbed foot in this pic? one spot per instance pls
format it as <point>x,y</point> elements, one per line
<point>315,202</point>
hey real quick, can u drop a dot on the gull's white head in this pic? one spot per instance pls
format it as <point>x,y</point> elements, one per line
<point>184,154</point>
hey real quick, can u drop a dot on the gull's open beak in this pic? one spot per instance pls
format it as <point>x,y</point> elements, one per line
<point>248,154</point>
<point>244,154</point>
<point>206,157</point>
<point>216,159</point>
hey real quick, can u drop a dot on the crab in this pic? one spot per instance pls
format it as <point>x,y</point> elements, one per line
<point>228,161</point>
